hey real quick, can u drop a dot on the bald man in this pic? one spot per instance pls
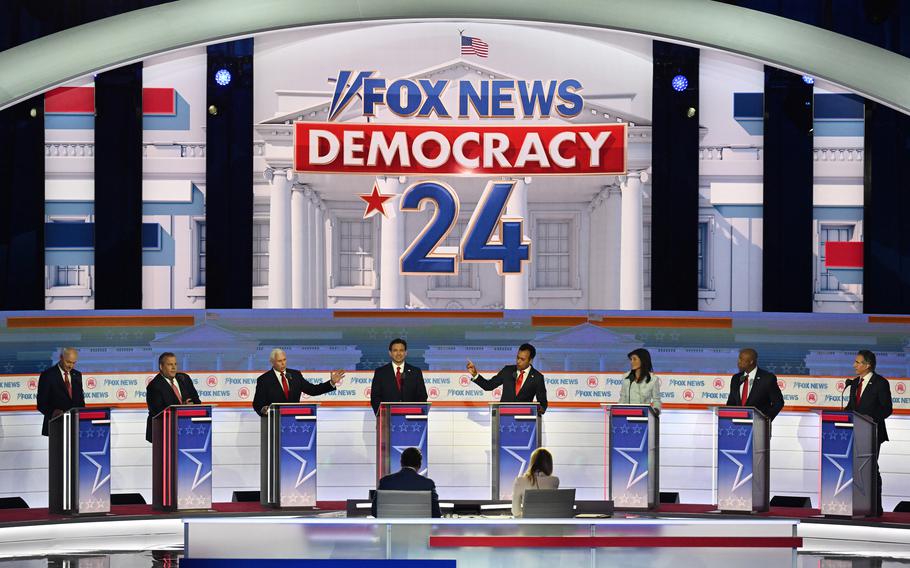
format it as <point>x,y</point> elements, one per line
<point>758,385</point>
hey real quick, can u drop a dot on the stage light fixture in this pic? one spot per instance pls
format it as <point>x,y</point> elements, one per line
<point>223,77</point>
<point>808,79</point>
<point>679,83</point>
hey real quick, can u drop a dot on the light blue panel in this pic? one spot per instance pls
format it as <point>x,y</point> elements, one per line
<point>839,128</point>
<point>838,213</point>
<point>69,257</point>
<point>178,121</point>
<point>847,275</point>
<point>755,127</point>
<point>69,208</point>
<point>162,257</point>
<point>194,207</point>
<point>69,121</point>
<point>741,211</point>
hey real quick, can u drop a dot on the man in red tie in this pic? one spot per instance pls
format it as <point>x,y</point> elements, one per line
<point>168,388</point>
<point>280,384</point>
<point>754,386</point>
<point>520,382</point>
<point>60,387</point>
<point>397,381</point>
<point>870,395</point>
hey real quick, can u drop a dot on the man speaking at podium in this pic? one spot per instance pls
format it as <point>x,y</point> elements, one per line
<point>280,384</point>
<point>167,389</point>
<point>60,388</point>
<point>754,386</point>
<point>520,382</point>
<point>397,381</point>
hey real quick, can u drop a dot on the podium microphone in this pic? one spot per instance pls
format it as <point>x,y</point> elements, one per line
<point>846,386</point>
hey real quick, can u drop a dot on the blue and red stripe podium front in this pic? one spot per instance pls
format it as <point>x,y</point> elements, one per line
<point>182,458</point>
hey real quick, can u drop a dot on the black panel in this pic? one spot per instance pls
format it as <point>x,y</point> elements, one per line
<point>118,188</point>
<point>229,185</point>
<point>787,256</point>
<point>674,185</point>
<point>22,206</point>
<point>886,228</point>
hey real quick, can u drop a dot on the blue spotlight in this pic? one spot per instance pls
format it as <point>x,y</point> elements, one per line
<point>679,83</point>
<point>223,77</point>
<point>808,79</point>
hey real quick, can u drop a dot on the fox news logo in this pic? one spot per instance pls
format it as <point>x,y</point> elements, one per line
<point>496,98</point>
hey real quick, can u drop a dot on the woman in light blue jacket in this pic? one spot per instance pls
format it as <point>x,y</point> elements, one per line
<point>641,386</point>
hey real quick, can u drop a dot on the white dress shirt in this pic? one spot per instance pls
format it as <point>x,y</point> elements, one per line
<point>522,484</point>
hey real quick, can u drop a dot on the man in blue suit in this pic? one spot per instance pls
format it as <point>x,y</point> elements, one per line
<point>407,479</point>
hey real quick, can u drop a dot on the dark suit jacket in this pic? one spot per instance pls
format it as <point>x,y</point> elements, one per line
<point>764,394</point>
<point>533,385</point>
<point>409,480</point>
<point>159,395</point>
<point>874,402</point>
<point>268,388</point>
<point>52,393</point>
<point>385,389</point>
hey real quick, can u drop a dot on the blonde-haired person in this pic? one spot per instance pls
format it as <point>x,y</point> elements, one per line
<point>539,476</point>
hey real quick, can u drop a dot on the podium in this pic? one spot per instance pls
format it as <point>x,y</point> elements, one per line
<point>400,425</point>
<point>182,458</point>
<point>79,462</point>
<point>743,459</point>
<point>287,457</point>
<point>848,480</point>
<point>633,443</point>
<point>516,434</point>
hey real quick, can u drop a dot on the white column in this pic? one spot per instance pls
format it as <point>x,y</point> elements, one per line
<point>391,245</point>
<point>279,238</point>
<point>299,247</point>
<point>312,247</point>
<point>515,286</point>
<point>319,260</point>
<point>631,290</point>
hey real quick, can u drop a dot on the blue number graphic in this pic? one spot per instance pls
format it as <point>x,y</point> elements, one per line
<point>492,238</point>
<point>421,257</point>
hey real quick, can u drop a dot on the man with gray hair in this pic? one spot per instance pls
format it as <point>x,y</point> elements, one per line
<point>60,387</point>
<point>281,384</point>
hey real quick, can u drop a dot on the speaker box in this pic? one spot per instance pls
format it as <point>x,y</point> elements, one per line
<point>669,497</point>
<point>902,507</point>
<point>13,503</point>
<point>127,499</point>
<point>245,497</point>
<point>791,501</point>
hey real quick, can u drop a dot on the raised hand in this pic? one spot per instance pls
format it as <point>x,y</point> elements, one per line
<point>471,368</point>
<point>336,376</point>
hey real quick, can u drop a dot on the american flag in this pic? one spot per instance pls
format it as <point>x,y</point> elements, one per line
<point>474,46</point>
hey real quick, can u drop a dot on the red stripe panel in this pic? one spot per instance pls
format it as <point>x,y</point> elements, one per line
<point>733,414</point>
<point>835,417</point>
<point>296,411</point>
<point>96,415</point>
<point>614,542</point>
<point>157,100</point>
<point>407,410</point>
<point>508,410</point>
<point>71,100</point>
<point>190,412</point>
<point>843,255</point>
<point>627,411</point>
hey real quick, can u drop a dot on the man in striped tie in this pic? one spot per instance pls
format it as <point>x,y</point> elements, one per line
<point>397,381</point>
<point>60,388</point>
<point>168,388</point>
<point>281,384</point>
<point>520,382</point>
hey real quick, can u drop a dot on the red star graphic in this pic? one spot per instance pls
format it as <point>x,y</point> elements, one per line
<point>375,202</point>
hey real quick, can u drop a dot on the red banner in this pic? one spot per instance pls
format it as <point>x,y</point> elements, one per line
<point>397,149</point>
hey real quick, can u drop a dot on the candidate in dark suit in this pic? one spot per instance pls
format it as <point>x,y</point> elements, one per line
<point>280,384</point>
<point>520,382</point>
<point>60,388</point>
<point>407,479</point>
<point>754,386</point>
<point>167,389</point>
<point>870,395</point>
<point>397,381</point>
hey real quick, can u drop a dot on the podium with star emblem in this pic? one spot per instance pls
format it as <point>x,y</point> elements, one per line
<point>182,458</point>
<point>516,434</point>
<point>743,459</point>
<point>633,444</point>
<point>79,462</point>
<point>287,458</point>
<point>400,425</point>
<point>847,480</point>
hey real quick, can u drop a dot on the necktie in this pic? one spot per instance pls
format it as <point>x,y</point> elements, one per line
<point>176,390</point>
<point>745,395</point>
<point>69,385</point>
<point>521,378</point>
<point>859,390</point>
<point>284,385</point>
<point>398,377</point>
